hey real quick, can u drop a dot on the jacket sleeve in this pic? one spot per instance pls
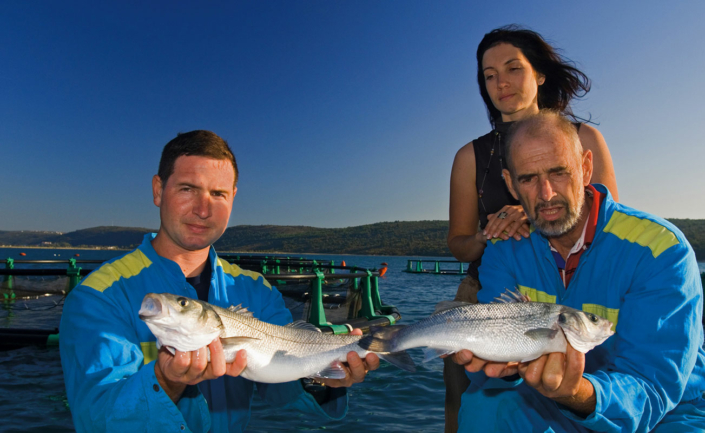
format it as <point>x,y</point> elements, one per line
<point>659,333</point>
<point>108,386</point>
<point>292,394</point>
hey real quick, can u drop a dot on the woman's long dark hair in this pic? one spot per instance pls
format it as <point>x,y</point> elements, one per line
<point>563,81</point>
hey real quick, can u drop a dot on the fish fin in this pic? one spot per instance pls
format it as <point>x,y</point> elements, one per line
<point>170,349</point>
<point>302,324</point>
<point>399,359</point>
<point>430,353</point>
<point>333,371</point>
<point>447,305</point>
<point>380,338</point>
<point>239,309</point>
<point>511,296</point>
<point>539,333</point>
<point>237,340</point>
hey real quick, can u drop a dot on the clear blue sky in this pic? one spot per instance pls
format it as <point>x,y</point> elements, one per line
<point>340,113</point>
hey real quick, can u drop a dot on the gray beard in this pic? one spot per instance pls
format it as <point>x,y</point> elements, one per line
<point>557,228</point>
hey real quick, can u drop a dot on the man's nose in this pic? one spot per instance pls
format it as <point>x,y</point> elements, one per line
<point>547,192</point>
<point>202,207</point>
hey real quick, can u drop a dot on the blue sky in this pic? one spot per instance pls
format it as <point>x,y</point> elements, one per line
<point>340,113</point>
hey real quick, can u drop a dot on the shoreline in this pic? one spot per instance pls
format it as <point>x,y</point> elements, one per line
<point>278,253</point>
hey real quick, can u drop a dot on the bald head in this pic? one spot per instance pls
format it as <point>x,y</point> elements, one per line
<point>546,126</point>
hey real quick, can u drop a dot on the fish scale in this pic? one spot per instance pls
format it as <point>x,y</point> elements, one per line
<point>502,332</point>
<point>274,351</point>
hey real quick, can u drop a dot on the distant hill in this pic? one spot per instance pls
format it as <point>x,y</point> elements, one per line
<point>399,238</point>
<point>104,236</point>
<point>694,231</point>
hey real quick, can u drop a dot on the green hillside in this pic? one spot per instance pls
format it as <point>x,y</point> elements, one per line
<point>104,236</point>
<point>399,238</point>
<point>694,231</point>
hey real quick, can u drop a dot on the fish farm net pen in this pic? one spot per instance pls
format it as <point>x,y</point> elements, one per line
<point>334,297</point>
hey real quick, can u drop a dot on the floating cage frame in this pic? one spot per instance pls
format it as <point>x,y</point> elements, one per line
<point>314,283</point>
<point>416,266</point>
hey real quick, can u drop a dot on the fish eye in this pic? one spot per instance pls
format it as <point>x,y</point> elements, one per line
<point>593,318</point>
<point>182,301</point>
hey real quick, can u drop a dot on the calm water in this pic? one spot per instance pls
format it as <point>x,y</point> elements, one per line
<point>33,399</point>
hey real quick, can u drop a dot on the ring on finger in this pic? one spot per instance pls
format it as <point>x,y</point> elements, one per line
<point>502,215</point>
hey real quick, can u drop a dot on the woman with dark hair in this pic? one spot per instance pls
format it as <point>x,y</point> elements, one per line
<point>518,73</point>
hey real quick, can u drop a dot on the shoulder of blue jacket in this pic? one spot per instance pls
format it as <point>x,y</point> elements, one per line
<point>643,229</point>
<point>127,266</point>
<point>237,271</point>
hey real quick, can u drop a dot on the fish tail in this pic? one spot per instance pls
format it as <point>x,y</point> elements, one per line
<point>399,359</point>
<point>381,339</point>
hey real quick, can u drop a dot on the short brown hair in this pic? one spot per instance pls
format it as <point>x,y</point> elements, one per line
<point>194,143</point>
<point>542,124</point>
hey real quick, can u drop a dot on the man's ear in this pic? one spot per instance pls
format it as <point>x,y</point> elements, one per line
<point>587,167</point>
<point>508,180</point>
<point>157,190</point>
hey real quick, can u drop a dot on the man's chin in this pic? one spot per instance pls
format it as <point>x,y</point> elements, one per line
<point>197,243</point>
<point>553,229</point>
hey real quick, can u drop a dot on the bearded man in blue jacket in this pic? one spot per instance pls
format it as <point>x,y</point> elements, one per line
<point>590,253</point>
<point>116,379</point>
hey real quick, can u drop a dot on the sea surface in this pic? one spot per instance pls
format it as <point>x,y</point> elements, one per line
<point>33,397</point>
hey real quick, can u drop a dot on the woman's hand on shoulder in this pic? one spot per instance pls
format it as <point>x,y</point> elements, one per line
<point>510,222</point>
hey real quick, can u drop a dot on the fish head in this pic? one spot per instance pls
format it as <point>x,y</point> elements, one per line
<point>182,323</point>
<point>584,330</point>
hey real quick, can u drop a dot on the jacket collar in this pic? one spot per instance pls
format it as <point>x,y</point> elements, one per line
<point>170,269</point>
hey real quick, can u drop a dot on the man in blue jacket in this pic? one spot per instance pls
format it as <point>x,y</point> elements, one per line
<point>116,379</point>
<point>590,253</point>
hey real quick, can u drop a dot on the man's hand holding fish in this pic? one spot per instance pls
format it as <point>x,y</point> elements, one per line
<point>559,377</point>
<point>556,375</point>
<point>176,371</point>
<point>355,369</point>
<point>474,364</point>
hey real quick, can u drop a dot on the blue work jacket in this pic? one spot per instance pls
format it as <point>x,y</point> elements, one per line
<point>108,353</point>
<point>640,273</point>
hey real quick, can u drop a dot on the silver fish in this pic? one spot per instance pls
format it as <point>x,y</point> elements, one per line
<point>502,332</point>
<point>274,353</point>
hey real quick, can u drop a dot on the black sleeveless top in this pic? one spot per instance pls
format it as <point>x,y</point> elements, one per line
<point>492,191</point>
